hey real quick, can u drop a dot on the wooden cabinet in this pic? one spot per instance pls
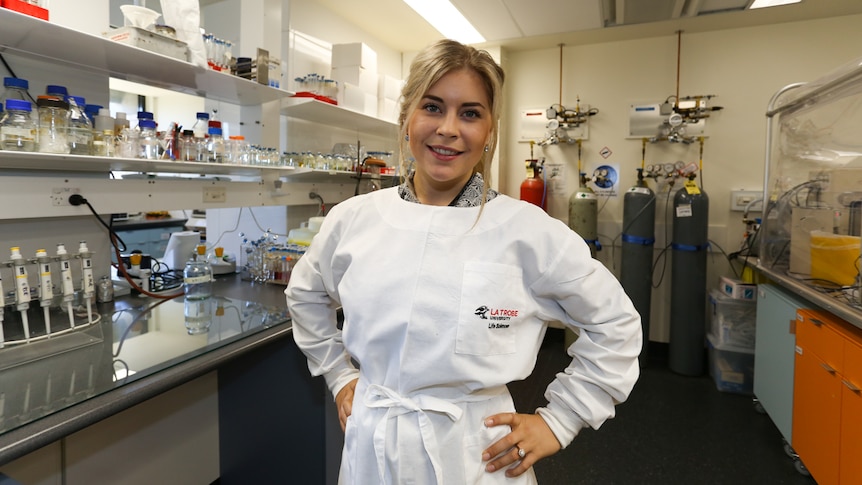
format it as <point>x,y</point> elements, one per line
<point>827,406</point>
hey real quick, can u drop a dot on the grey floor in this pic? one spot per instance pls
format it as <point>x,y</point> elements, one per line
<point>672,430</point>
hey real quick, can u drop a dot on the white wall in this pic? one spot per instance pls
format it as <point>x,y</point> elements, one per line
<point>743,67</point>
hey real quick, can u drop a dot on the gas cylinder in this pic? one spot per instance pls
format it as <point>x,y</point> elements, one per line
<point>638,240</point>
<point>688,280</point>
<point>533,187</point>
<point>584,214</point>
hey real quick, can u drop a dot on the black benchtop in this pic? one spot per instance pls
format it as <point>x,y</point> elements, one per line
<point>55,387</point>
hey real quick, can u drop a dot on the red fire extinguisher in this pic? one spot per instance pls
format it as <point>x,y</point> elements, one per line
<point>533,187</point>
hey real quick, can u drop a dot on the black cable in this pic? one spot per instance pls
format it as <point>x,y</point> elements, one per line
<point>12,73</point>
<point>78,199</point>
<point>663,251</point>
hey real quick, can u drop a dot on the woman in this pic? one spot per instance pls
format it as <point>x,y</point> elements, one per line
<point>446,287</point>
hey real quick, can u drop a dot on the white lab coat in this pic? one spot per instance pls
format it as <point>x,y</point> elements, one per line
<point>441,310</point>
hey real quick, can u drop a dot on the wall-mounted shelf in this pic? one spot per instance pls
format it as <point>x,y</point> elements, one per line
<point>331,115</point>
<point>35,38</point>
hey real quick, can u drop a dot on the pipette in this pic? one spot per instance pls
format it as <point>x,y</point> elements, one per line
<point>46,290</point>
<point>22,289</point>
<point>66,281</point>
<point>88,285</point>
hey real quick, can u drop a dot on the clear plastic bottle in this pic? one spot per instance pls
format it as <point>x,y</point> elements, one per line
<point>53,134</point>
<point>149,141</point>
<point>80,128</point>
<point>215,146</point>
<point>103,134</point>
<point>198,276</point>
<point>17,128</point>
<point>201,126</point>
<point>14,88</point>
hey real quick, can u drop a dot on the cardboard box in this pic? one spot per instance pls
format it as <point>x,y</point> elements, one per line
<point>352,97</point>
<point>387,109</point>
<point>389,87</point>
<point>357,76</point>
<point>25,8</point>
<point>355,54</point>
<point>737,289</point>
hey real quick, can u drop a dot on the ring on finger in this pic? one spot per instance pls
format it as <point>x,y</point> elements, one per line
<point>521,452</point>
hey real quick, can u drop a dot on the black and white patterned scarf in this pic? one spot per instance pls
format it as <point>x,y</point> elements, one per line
<point>470,195</point>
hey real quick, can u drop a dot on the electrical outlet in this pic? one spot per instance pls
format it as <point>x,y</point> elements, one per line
<point>215,194</point>
<point>741,198</point>
<point>60,196</point>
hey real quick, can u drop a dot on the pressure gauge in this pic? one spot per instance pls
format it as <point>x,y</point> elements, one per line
<point>668,168</point>
<point>649,168</point>
<point>679,165</point>
<point>553,124</point>
<point>674,119</point>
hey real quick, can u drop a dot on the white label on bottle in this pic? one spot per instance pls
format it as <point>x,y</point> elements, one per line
<point>193,280</point>
<point>11,132</point>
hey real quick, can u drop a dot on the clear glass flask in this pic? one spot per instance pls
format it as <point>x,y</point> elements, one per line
<point>149,142</point>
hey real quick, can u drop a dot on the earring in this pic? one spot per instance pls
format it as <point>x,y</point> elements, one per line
<point>486,148</point>
<point>407,137</point>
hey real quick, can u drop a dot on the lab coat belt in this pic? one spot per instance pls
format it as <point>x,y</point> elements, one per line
<point>383,397</point>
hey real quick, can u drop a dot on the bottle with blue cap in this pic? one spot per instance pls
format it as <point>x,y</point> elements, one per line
<point>57,91</point>
<point>215,145</point>
<point>17,127</point>
<point>80,128</point>
<point>14,88</point>
<point>149,141</point>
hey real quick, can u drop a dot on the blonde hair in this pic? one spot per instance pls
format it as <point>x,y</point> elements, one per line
<point>434,62</point>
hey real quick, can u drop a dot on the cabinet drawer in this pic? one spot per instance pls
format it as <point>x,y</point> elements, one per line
<point>853,365</point>
<point>816,331</point>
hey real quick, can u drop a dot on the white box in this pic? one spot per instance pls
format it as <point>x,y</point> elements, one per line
<point>151,41</point>
<point>357,76</point>
<point>387,109</point>
<point>737,289</point>
<point>352,97</point>
<point>389,87</point>
<point>355,54</point>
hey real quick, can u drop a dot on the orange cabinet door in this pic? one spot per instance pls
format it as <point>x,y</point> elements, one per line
<point>816,416</point>
<point>851,416</point>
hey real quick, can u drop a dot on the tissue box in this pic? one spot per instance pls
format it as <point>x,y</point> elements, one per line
<point>355,54</point>
<point>25,8</point>
<point>737,289</point>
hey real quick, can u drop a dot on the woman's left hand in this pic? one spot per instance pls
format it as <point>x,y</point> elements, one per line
<point>530,440</point>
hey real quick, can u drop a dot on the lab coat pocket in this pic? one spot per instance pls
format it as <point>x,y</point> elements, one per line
<point>492,305</point>
<point>474,445</point>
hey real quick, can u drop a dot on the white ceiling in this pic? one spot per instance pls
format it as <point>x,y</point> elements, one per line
<point>531,24</point>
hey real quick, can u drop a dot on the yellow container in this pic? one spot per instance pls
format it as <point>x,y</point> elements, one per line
<point>834,258</point>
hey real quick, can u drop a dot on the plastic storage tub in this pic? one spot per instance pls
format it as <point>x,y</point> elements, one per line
<point>732,320</point>
<point>732,368</point>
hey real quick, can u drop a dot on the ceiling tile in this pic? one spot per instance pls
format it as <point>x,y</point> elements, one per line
<point>540,17</point>
<point>490,17</point>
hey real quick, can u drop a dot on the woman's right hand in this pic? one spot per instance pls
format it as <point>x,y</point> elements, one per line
<point>344,402</point>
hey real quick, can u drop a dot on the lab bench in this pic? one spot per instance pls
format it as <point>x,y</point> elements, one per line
<point>143,347</point>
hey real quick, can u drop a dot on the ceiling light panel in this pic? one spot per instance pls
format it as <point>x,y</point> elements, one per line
<point>447,19</point>
<point>542,17</point>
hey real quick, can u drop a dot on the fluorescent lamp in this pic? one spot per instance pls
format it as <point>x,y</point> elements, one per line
<point>771,3</point>
<point>444,17</point>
